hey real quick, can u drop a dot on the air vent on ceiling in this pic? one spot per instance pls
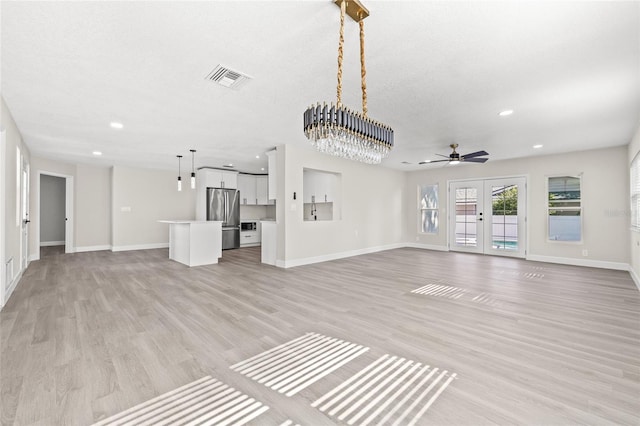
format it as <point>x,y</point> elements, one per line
<point>227,77</point>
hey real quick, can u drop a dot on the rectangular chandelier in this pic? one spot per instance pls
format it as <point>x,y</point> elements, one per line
<point>339,131</point>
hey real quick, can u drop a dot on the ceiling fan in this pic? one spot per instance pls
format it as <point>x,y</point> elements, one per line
<point>455,158</point>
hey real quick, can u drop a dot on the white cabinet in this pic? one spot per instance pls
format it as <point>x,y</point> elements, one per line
<point>262,190</point>
<point>254,190</point>
<point>211,178</point>
<point>251,238</point>
<point>321,185</point>
<point>220,178</point>
<point>247,188</point>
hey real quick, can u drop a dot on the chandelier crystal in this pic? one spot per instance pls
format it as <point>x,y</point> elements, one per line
<point>339,131</point>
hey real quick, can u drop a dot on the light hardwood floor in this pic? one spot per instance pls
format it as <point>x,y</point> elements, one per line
<point>87,335</point>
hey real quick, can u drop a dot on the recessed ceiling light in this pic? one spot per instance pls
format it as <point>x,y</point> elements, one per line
<point>116,125</point>
<point>257,156</point>
<point>262,169</point>
<point>505,112</point>
<point>427,161</point>
<point>97,153</point>
<point>227,165</point>
<point>537,146</point>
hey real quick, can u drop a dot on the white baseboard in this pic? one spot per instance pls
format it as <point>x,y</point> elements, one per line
<point>335,256</point>
<point>33,257</point>
<point>635,277</point>
<point>92,248</point>
<point>14,284</point>
<point>427,246</point>
<point>580,262</point>
<point>51,243</point>
<point>140,247</point>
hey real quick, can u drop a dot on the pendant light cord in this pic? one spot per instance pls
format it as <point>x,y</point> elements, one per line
<point>343,8</point>
<point>363,70</point>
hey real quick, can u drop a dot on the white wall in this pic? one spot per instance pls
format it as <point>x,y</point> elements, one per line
<point>52,210</point>
<point>634,149</point>
<point>11,234</point>
<point>142,197</point>
<point>605,191</point>
<point>93,208</point>
<point>371,207</point>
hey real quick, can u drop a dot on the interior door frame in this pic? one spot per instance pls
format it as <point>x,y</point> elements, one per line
<point>3,169</point>
<point>68,229</point>
<point>526,228</point>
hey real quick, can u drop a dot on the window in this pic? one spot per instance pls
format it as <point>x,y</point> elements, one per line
<point>635,193</point>
<point>564,208</point>
<point>429,209</point>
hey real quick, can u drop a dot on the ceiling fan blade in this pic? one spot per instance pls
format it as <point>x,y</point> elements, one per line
<point>475,160</point>
<point>440,155</point>
<point>434,161</point>
<point>475,154</point>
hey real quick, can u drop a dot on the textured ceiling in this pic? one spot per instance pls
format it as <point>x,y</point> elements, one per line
<point>438,73</point>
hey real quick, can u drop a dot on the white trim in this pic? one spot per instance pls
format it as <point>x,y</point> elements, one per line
<point>140,247</point>
<point>33,257</point>
<point>93,248</point>
<point>335,256</point>
<point>634,276</point>
<point>51,243</point>
<point>427,246</point>
<point>3,235</point>
<point>12,287</point>
<point>69,206</point>
<point>580,262</point>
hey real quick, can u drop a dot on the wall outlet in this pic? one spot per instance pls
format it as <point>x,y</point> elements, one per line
<point>585,252</point>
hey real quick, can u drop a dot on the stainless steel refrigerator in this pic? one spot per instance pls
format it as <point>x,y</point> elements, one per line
<point>224,204</point>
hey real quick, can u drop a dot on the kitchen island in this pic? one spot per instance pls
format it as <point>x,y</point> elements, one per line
<point>195,242</point>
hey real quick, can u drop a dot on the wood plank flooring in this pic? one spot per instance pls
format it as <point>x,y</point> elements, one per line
<point>86,336</point>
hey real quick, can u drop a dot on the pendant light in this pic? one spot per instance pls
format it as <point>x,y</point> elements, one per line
<point>179,177</point>
<point>193,171</point>
<point>338,130</point>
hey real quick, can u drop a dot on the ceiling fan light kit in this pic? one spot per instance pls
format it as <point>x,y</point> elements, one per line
<point>455,158</point>
<point>339,131</point>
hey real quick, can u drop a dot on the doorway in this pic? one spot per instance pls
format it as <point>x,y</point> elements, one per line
<point>54,233</point>
<point>488,216</point>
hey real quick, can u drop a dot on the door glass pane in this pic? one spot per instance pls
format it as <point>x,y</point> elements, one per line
<point>504,229</point>
<point>466,211</point>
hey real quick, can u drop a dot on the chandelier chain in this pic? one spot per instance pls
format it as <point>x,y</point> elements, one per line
<point>363,69</point>
<point>343,7</point>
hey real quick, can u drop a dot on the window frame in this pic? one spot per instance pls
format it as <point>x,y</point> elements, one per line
<point>421,210</point>
<point>580,208</point>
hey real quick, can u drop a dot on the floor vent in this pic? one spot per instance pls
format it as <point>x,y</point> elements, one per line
<point>227,77</point>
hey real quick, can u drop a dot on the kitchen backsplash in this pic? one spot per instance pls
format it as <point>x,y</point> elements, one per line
<point>324,211</point>
<point>257,212</point>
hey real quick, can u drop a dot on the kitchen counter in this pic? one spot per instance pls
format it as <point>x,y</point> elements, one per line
<point>195,242</point>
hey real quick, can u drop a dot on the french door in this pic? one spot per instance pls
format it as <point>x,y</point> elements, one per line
<point>488,216</point>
